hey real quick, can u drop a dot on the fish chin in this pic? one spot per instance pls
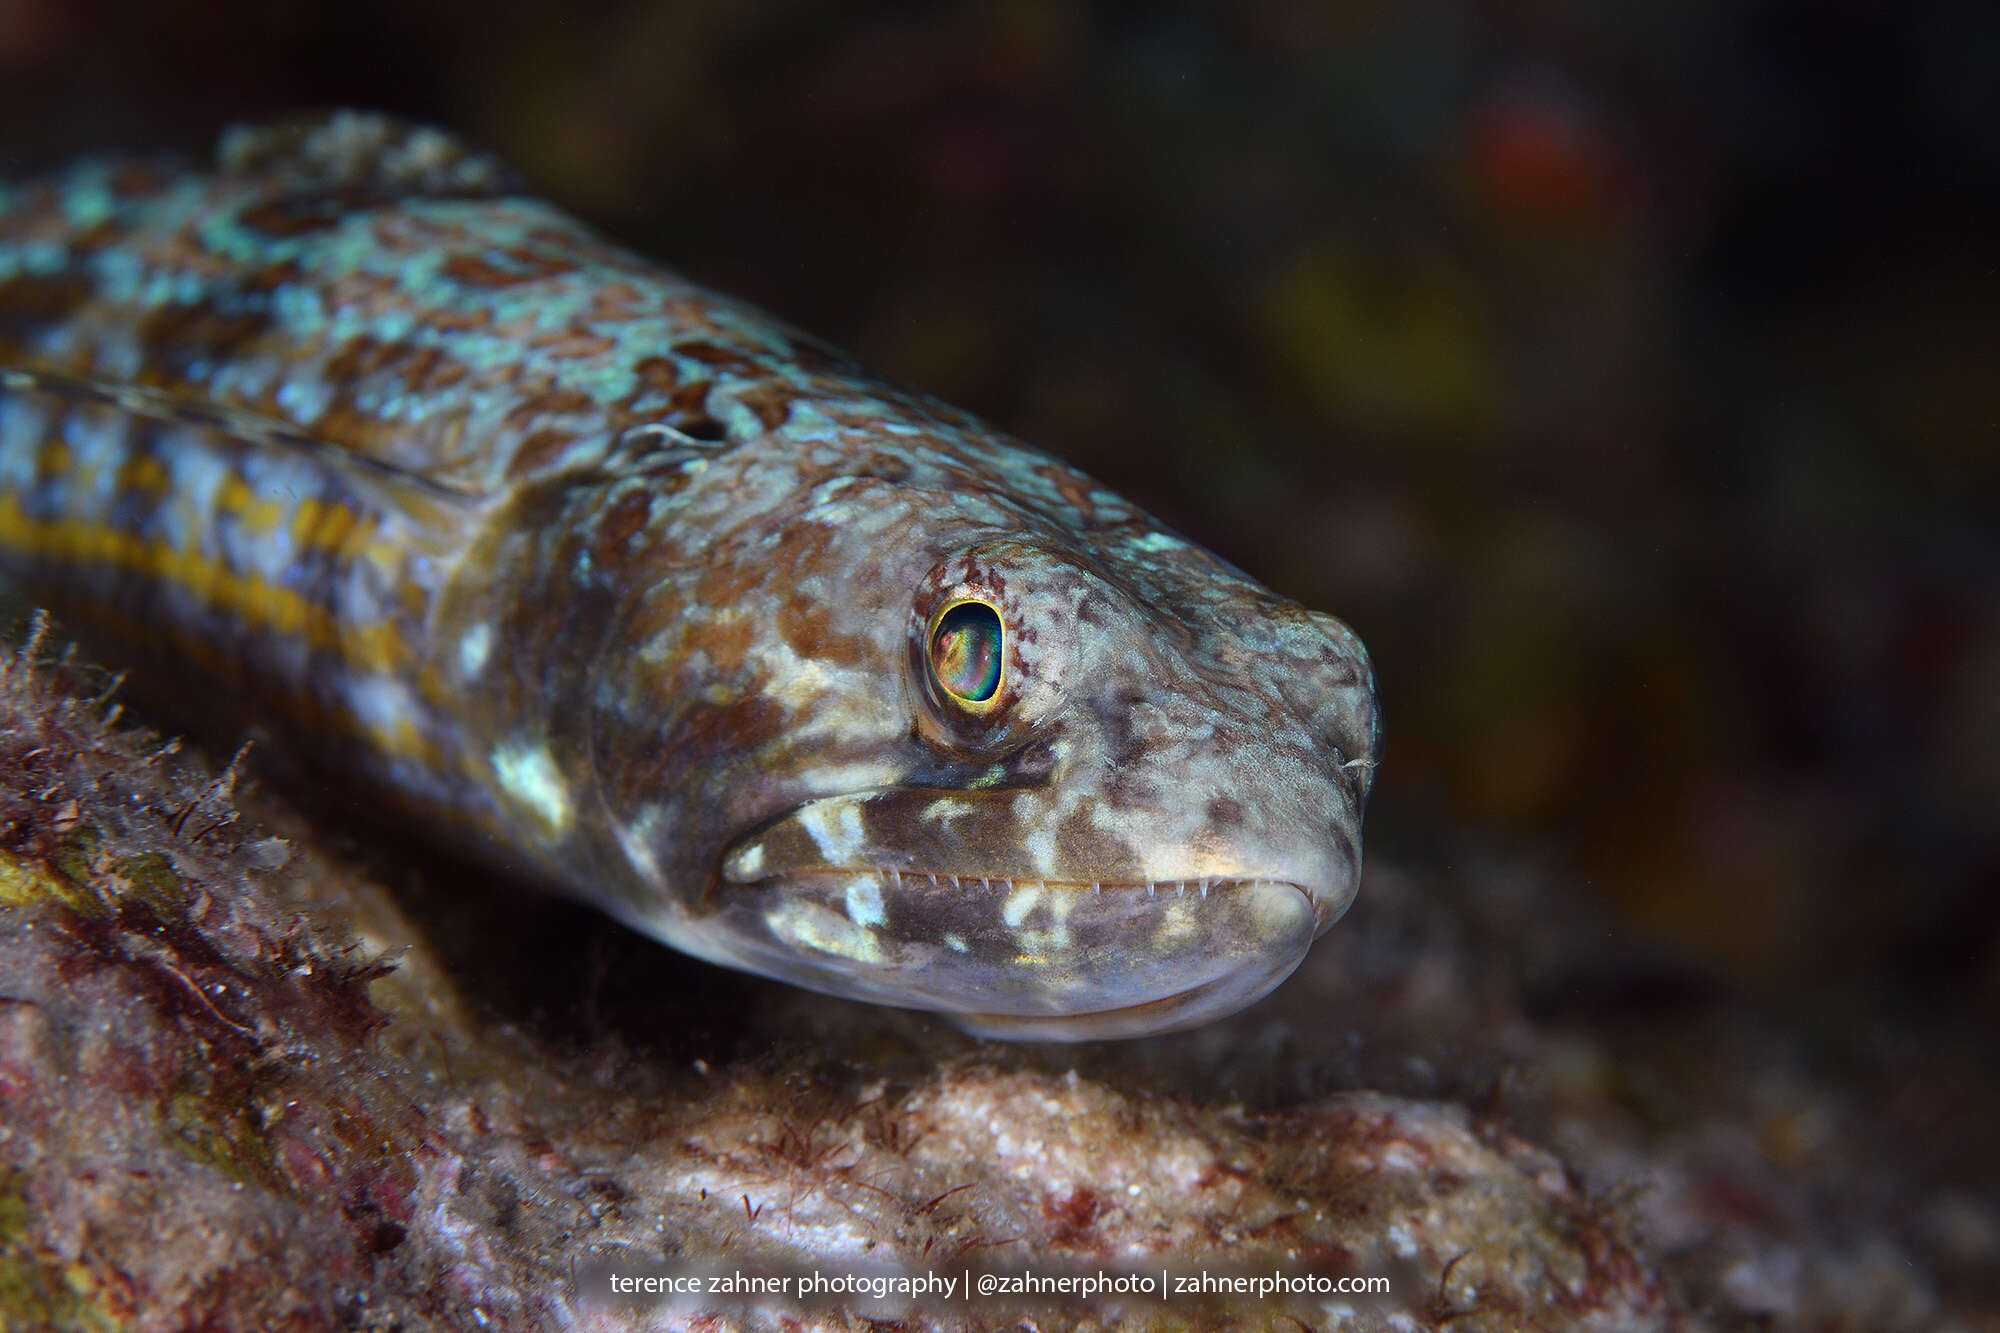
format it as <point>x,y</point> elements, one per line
<point>1174,1013</point>
<point>1027,959</point>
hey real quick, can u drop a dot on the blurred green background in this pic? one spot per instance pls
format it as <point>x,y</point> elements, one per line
<point>1624,373</point>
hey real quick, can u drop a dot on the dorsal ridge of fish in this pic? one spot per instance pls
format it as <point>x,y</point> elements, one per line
<point>362,151</point>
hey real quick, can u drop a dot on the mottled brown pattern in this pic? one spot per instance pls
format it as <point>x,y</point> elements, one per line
<point>574,346</point>
<point>773,407</point>
<point>30,305</point>
<point>282,219</point>
<point>523,266</point>
<point>708,354</point>
<point>177,337</point>
<point>542,447</point>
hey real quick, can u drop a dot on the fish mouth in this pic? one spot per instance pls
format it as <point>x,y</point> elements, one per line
<point>1016,956</point>
<point>898,881</point>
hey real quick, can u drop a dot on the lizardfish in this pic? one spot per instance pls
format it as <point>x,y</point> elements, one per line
<point>631,586</point>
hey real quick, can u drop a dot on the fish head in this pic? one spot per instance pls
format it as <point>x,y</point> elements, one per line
<point>1046,788</point>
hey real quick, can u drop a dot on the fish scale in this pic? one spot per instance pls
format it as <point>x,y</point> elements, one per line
<point>630,585</point>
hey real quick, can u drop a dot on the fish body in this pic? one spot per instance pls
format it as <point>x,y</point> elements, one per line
<point>634,587</point>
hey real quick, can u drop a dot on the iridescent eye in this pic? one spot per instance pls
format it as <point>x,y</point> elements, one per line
<point>966,652</point>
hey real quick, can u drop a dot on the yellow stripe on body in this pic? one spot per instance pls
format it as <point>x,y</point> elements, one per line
<point>145,475</point>
<point>402,741</point>
<point>348,537</point>
<point>53,460</point>
<point>259,604</point>
<point>257,517</point>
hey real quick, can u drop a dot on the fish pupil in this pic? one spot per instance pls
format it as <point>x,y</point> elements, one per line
<point>966,651</point>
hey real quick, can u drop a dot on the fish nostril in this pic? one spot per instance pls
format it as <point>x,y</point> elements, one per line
<point>703,427</point>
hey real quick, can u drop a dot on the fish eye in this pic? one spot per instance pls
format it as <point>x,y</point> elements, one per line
<point>967,651</point>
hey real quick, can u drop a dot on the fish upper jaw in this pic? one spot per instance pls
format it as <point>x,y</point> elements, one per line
<point>1007,838</point>
<point>947,921</point>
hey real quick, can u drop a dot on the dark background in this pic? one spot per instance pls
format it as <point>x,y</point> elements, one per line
<point>1624,373</point>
